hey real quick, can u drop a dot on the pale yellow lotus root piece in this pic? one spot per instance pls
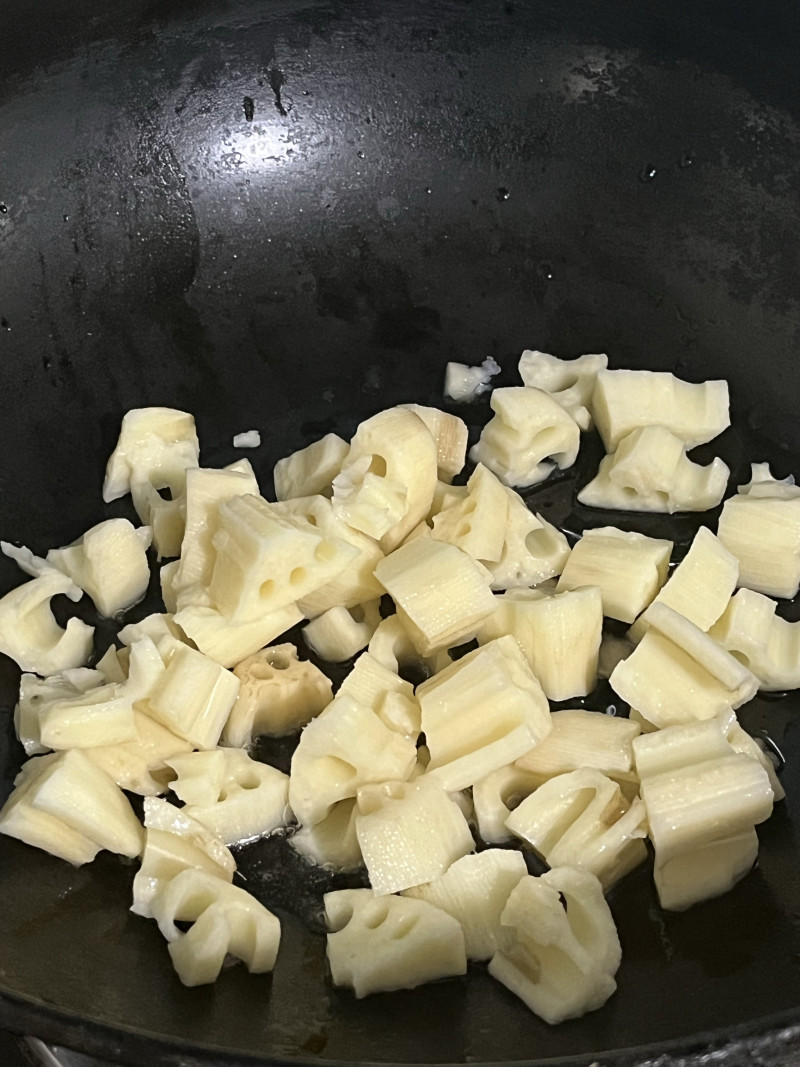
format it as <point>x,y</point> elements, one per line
<point>677,673</point>
<point>310,470</point>
<point>156,447</point>
<point>392,646</point>
<point>175,842</point>
<point>559,949</point>
<point>450,434</point>
<point>226,921</point>
<point>529,434</point>
<point>628,568</point>
<point>278,694</point>
<point>343,748</point>
<point>464,383</point>
<point>109,562</point>
<point>236,797</point>
<point>339,633</point>
<point>764,642</point>
<point>482,712</point>
<point>569,381</point>
<point>703,801</point>
<point>559,635</point>
<point>581,819</point>
<point>475,890</point>
<point>441,594</point>
<point>476,523</point>
<point>584,739</point>
<point>626,400</point>
<point>206,489</point>
<point>333,842</point>
<point>193,697</point>
<point>64,804</point>
<point>387,481</point>
<point>103,715</point>
<point>29,633</point>
<point>390,697</point>
<point>377,944</point>
<point>700,586</point>
<point>227,643</point>
<point>409,832</point>
<point>36,694</point>
<point>650,471</point>
<point>534,550</point>
<point>760,526</point>
<point>268,559</point>
<point>139,766</point>
<point>495,796</point>
<point>356,582</point>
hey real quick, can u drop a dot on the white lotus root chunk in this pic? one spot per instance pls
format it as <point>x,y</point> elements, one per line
<point>482,712</point>
<point>109,562</point>
<point>534,550</point>
<point>333,842</point>
<point>442,594</point>
<point>700,586</point>
<point>206,489</point>
<point>344,747</point>
<point>628,569</point>
<point>387,481</point>
<point>764,642</point>
<point>392,646</point>
<point>29,633</point>
<point>268,559</point>
<point>760,526</point>
<point>650,471</point>
<point>559,636</point>
<point>310,470</point>
<point>377,944</point>
<point>495,796</point>
<point>226,642</point>
<point>703,801</point>
<point>584,739</point>
<point>390,697</point>
<point>450,434</point>
<point>278,694</point>
<point>156,447</point>
<point>236,797</point>
<point>477,522</point>
<point>339,633</point>
<point>559,947</point>
<point>475,890</point>
<point>677,673</point>
<point>569,381</point>
<point>36,694</point>
<point>581,819</point>
<point>626,400</point>
<point>226,921</point>
<point>529,434</point>
<point>103,715</point>
<point>356,582</point>
<point>409,832</point>
<point>66,805</point>
<point>193,697</point>
<point>464,383</point>
<point>175,842</point>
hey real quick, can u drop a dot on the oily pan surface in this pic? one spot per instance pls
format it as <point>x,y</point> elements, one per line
<point>414,185</point>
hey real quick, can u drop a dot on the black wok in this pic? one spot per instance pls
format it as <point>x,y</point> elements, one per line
<point>289,214</point>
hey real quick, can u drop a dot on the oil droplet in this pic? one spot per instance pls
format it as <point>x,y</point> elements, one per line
<point>503,193</point>
<point>3,209</point>
<point>65,218</point>
<point>360,154</point>
<point>545,271</point>
<point>249,108</point>
<point>647,173</point>
<point>685,161</point>
<point>429,190</point>
<point>5,323</point>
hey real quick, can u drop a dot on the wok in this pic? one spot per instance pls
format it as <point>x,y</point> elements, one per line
<point>290,214</point>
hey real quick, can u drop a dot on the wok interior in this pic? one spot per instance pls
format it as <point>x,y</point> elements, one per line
<point>289,216</point>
